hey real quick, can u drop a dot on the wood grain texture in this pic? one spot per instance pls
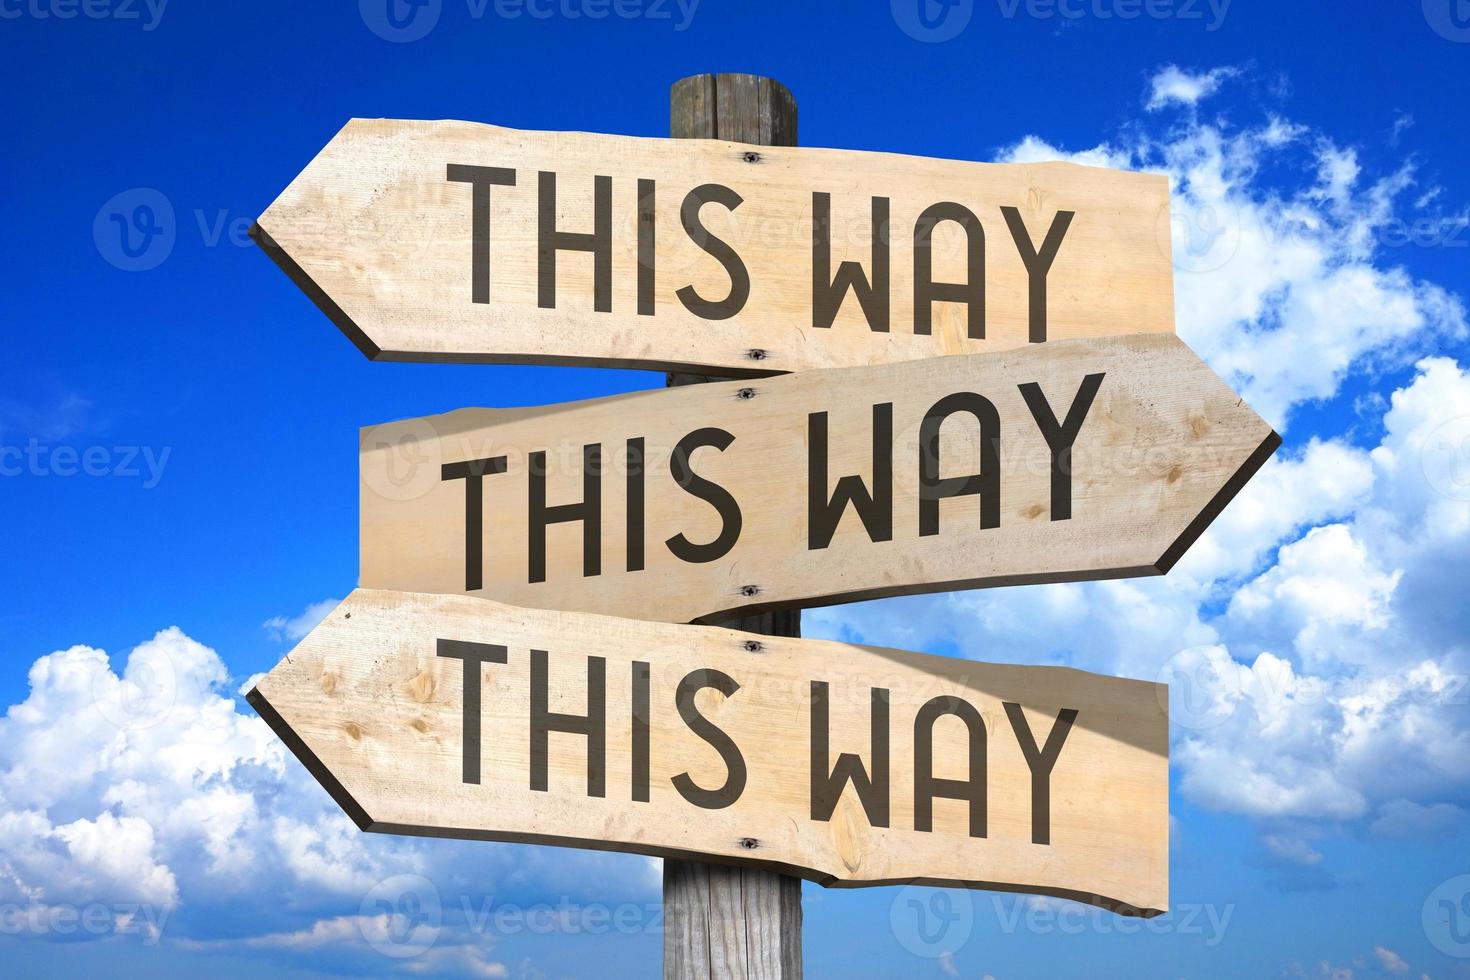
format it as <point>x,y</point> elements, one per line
<point>730,921</point>
<point>379,237</point>
<point>1163,447</point>
<point>378,716</point>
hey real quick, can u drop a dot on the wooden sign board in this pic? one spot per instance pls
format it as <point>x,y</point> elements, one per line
<point>1070,460</point>
<point>448,716</point>
<point>455,241</point>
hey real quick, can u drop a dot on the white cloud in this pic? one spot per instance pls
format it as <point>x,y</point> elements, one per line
<point>152,787</point>
<point>1390,960</point>
<point>1284,292</point>
<point>113,772</point>
<point>1175,86</point>
<point>294,628</point>
<point>1291,848</point>
<point>1326,592</point>
<point>1324,481</point>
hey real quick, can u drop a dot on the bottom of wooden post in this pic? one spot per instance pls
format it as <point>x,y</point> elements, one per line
<point>724,921</point>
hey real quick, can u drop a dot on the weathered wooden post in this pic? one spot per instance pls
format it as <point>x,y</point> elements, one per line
<point>722,921</point>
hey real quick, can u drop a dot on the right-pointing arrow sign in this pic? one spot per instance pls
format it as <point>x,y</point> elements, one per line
<point>1066,461</point>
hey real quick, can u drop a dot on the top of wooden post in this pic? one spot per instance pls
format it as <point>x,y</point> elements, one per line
<point>735,107</point>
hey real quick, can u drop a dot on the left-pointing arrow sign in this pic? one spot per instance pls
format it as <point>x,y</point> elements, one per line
<point>449,716</point>
<point>454,241</point>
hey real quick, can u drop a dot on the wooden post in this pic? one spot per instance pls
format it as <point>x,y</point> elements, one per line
<point>722,921</point>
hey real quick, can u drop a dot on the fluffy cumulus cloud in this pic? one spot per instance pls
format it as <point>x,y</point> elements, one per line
<point>1282,284</point>
<point>1315,639</point>
<point>149,802</point>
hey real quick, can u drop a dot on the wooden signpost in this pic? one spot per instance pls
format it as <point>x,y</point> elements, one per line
<point>455,241</point>
<point>449,716</point>
<point>512,666</point>
<point>1070,460</point>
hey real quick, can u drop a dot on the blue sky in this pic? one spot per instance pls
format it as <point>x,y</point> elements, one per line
<point>1322,266</point>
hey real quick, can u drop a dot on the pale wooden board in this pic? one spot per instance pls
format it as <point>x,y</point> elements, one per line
<point>1165,445</point>
<point>377,715</point>
<point>379,237</point>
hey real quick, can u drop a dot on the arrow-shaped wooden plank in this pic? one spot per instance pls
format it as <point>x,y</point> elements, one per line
<point>454,241</point>
<point>448,716</point>
<point>1070,460</point>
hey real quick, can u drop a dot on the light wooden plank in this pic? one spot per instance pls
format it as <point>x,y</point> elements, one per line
<point>373,706</point>
<point>1162,446</point>
<point>383,240</point>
